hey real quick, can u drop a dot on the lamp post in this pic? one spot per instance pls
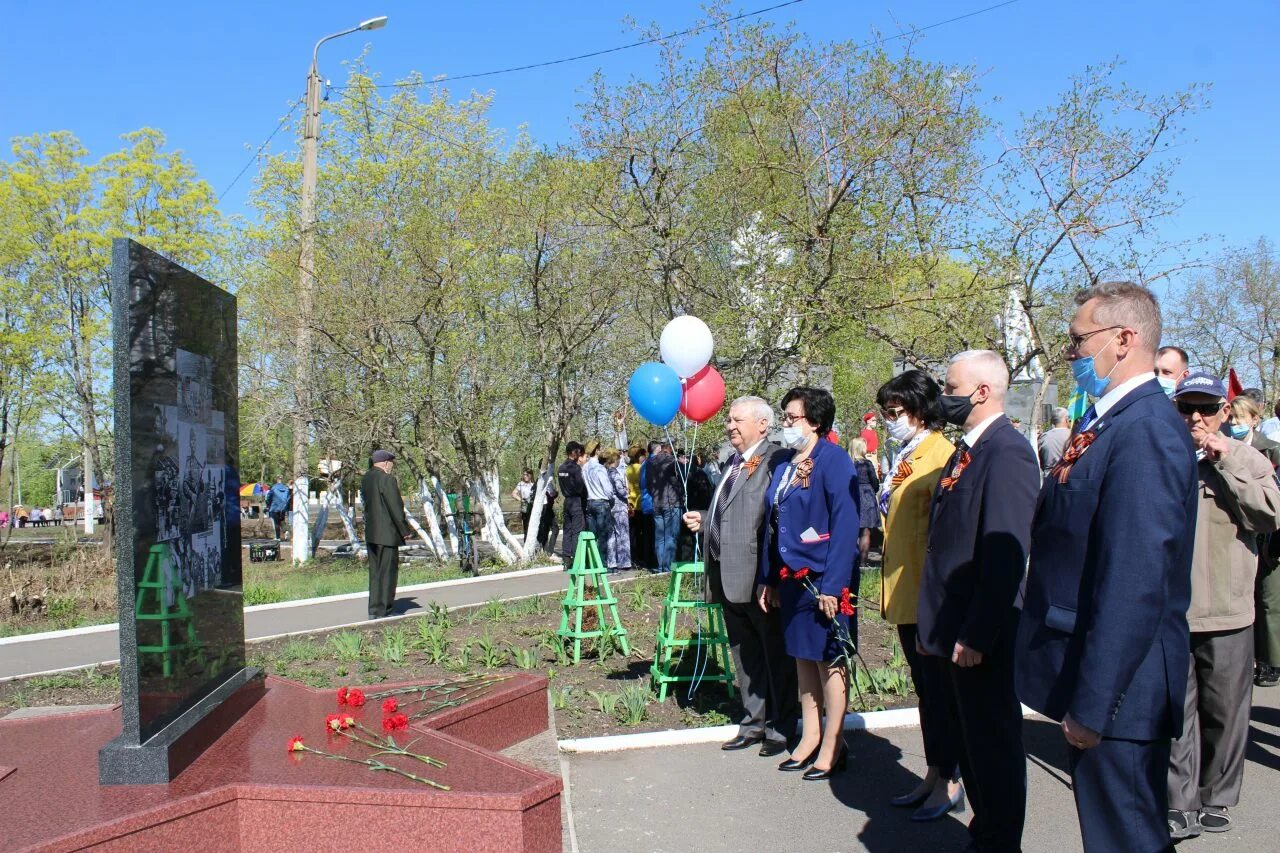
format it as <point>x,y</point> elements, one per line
<point>306,298</point>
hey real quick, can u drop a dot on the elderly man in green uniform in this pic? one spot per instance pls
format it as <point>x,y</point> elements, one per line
<point>385,529</point>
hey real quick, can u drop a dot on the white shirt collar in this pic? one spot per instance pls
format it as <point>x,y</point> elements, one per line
<point>1115,395</point>
<point>971,437</point>
<point>751,451</point>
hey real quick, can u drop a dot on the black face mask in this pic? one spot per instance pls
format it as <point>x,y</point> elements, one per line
<point>956,407</point>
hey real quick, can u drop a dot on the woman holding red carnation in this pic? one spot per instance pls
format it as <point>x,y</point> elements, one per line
<point>811,537</point>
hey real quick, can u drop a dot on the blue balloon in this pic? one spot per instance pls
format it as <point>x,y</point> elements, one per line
<point>655,392</point>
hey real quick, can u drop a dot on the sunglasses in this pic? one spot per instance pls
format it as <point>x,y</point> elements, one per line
<point>1206,410</point>
<point>891,413</point>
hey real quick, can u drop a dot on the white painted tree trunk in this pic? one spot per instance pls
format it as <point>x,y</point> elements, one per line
<point>535,513</point>
<point>90,511</point>
<point>347,523</point>
<point>484,491</point>
<point>432,515</point>
<point>301,520</point>
<point>449,522</point>
<point>322,520</point>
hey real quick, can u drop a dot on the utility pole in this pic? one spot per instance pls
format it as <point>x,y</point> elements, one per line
<point>302,380</point>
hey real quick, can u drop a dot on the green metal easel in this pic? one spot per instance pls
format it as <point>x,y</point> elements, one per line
<point>588,565</point>
<point>150,606</point>
<point>670,647</point>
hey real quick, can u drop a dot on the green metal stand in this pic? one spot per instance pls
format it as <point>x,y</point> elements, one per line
<point>714,640</point>
<point>151,607</point>
<point>588,565</point>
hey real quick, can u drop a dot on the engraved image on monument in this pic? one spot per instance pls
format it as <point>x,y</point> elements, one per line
<point>177,548</point>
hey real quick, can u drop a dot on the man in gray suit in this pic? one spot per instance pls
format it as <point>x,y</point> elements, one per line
<point>385,530</point>
<point>730,546</point>
<point>1054,441</point>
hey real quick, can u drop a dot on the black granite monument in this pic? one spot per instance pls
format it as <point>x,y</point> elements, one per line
<point>183,678</point>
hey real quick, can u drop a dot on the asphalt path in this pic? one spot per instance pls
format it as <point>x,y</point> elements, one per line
<point>37,653</point>
<point>700,798</point>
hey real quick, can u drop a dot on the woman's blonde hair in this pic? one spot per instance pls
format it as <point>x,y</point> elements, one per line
<point>858,447</point>
<point>608,456</point>
<point>1246,406</point>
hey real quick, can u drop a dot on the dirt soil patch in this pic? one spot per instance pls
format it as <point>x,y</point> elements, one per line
<point>606,693</point>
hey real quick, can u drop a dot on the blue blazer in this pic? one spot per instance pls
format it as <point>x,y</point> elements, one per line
<point>1104,632</point>
<point>979,537</point>
<point>829,506</point>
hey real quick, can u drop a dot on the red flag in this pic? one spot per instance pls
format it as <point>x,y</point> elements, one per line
<point>1234,388</point>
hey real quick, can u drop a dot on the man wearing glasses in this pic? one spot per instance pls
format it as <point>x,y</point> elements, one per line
<point>1103,641</point>
<point>1238,500</point>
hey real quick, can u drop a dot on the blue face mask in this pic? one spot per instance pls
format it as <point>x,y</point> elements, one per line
<point>1087,378</point>
<point>1167,384</point>
<point>1239,431</point>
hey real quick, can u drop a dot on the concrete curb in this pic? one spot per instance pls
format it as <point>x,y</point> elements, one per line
<point>896,718</point>
<point>283,605</point>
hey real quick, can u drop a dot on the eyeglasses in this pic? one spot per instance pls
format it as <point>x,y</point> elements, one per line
<point>788,419</point>
<point>1206,410</point>
<point>1074,342</point>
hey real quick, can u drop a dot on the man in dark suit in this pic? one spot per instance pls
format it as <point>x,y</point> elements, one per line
<point>730,546</point>
<point>1103,641</point>
<point>979,533</point>
<point>385,529</point>
<point>573,487</point>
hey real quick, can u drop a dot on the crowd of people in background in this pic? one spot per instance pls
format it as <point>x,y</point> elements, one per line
<point>1119,576</point>
<point>22,516</point>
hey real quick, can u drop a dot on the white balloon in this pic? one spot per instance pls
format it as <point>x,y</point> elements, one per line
<point>686,345</point>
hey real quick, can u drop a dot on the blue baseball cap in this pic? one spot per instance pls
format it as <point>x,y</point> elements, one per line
<point>1201,382</point>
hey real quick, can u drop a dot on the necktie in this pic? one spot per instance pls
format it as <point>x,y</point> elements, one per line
<point>722,501</point>
<point>1090,415</point>
<point>959,462</point>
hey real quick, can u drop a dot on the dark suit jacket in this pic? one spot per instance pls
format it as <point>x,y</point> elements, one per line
<point>829,506</point>
<point>979,537</point>
<point>384,522</point>
<point>740,530</point>
<point>1104,632</point>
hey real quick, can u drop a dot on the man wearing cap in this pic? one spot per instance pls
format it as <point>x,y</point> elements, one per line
<point>1238,500</point>
<point>385,529</point>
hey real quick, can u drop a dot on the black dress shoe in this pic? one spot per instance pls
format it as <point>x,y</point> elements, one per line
<point>955,804</point>
<point>741,742</point>
<point>770,748</point>
<point>909,800</point>
<point>791,764</point>
<point>837,766</point>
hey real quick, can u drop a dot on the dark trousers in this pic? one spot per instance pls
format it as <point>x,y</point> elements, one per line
<point>1206,764</point>
<point>1120,795</point>
<point>277,522</point>
<point>642,539</point>
<point>575,521</point>
<point>384,570</point>
<point>1266,612</point>
<point>600,523</point>
<point>940,747</point>
<point>988,721</point>
<point>766,676</point>
<point>548,529</point>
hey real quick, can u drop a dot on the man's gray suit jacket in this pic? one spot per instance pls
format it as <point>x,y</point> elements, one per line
<point>740,529</point>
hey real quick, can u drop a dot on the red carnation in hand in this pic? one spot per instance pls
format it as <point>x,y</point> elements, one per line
<point>395,723</point>
<point>355,697</point>
<point>295,744</point>
<point>342,695</point>
<point>785,573</point>
<point>801,574</point>
<point>390,706</point>
<point>846,603</point>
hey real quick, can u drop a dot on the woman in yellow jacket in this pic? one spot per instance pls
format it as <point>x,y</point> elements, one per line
<point>909,405</point>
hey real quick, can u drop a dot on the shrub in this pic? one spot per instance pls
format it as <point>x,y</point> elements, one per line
<point>259,594</point>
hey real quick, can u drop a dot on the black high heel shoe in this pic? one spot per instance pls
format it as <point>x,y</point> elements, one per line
<point>910,800</point>
<point>791,764</point>
<point>837,766</point>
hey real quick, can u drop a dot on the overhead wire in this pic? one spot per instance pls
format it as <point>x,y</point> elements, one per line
<point>253,159</point>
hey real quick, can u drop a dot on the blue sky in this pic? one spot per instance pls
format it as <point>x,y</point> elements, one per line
<point>217,77</point>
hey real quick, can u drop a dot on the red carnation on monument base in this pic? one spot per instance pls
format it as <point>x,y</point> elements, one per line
<point>395,723</point>
<point>390,706</point>
<point>295,744</point>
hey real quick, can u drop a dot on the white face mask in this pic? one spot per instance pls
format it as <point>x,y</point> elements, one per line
<point>793,436</point>
<point>900,429</point>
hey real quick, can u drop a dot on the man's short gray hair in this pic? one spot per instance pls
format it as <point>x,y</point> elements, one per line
<point>1123,303</point>
<point>1060,415</point>
<point>990,367</point>
<point>758,406</point>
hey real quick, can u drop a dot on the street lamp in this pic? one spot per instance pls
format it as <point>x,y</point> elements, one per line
<point>306,295</point>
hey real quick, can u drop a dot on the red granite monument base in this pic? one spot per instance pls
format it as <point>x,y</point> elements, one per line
<point>246,792</point>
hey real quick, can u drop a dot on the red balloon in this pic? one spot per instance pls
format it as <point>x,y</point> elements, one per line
<point>703,395</point>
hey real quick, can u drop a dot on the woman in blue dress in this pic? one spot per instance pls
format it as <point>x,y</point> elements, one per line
<point>811,523</point>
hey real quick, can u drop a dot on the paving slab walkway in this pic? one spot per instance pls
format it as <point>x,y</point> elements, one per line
<point>700,798</point>
<point>40,653</point>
